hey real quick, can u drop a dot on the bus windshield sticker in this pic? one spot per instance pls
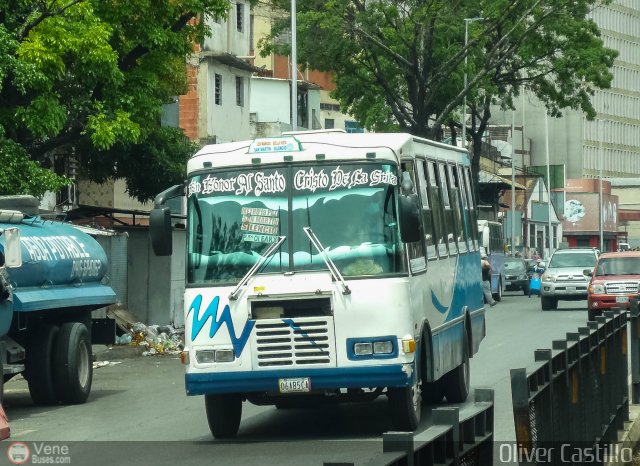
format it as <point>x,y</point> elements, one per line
<point>260,225</point>
<point>255,183</point>
<point>311,180</point>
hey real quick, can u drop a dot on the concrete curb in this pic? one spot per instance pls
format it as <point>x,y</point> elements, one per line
<point>629,438</point>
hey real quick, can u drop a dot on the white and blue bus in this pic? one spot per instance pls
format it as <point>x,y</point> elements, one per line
<point>327,266</point>
<point>491,238</point>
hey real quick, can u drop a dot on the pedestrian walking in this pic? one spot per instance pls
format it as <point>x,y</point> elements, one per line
<point>534,286</point>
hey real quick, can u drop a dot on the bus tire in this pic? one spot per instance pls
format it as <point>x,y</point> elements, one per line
<point>72,363</point>
<point>406,405</point>
<point>498,295</point>
<point>39,365</point>
<point>223,414</point>
<point>457,381</point>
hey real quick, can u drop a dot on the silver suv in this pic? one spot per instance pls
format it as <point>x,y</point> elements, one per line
<point>564,278</point>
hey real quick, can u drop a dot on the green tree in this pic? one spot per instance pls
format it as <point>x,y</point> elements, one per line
<point>400,65</point>
<point>89,77</point>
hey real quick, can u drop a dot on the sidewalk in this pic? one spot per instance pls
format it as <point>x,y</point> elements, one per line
<point>116,352</point>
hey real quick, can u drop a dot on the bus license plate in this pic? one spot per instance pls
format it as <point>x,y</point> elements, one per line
<point>301,385</point>
<point>622,299</point>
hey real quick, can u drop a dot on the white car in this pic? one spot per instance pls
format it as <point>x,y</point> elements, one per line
<point>564,277</point>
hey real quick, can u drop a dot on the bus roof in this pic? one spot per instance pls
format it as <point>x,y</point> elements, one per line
<point>310,146</point>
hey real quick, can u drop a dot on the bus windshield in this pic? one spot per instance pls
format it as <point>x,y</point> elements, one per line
<point>234,216</point>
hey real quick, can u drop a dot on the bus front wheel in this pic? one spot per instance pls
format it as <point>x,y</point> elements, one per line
<point>406,405</point>
<point>223,414</point>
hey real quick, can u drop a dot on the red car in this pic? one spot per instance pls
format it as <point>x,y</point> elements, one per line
<point>615,282</point>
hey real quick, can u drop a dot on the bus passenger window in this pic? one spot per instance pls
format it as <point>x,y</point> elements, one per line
<point>471,208</point>
<point>458,208</point>
<point>417,259</point>
<point>448,211</point>
<point>438,211</point>
<point>427,213</point>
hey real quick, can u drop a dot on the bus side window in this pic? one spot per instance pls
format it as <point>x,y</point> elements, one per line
<point>464,208</point>
<point>438,211</point>
<point>448,211</point>
<point>472,208</point>
<point>427,213</point>
<point>417,259</point>
<point>457,208</point>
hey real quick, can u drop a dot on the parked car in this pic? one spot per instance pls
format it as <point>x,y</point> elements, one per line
<point>615,281</point>
<point>515,274</point>
<point>564,277</point>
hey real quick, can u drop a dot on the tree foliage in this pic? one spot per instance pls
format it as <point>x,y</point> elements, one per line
<point>401,65</point>
<point>89,77</point>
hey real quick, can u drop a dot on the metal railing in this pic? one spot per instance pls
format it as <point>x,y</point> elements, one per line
<point>576,396</point>
<point>457,436</point>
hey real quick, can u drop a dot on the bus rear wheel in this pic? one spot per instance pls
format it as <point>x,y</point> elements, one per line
<point>406,405</point>
<point>223,414</point>
<point>457,381</point>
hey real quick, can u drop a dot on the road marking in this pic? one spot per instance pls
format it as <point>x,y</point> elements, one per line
<point>24,432</point>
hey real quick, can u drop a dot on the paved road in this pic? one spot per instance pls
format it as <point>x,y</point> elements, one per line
<point>143,399</point>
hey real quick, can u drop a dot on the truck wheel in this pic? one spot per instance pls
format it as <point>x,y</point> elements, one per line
<point>72,364</point>
<point>38,364</point>
<point>457,381</point>
<point>223,414</point>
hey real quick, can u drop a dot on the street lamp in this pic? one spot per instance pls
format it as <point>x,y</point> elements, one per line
<point>464,99</point>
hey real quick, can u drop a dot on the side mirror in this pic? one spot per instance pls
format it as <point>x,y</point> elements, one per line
<point>12,248</point>
<point>160,231</point>
<point>587,272</point>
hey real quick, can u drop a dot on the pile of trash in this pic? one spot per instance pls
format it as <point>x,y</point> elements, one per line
<point>159,339</point>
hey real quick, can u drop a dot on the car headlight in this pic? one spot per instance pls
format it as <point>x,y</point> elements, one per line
<point>548,277</point>
<point>596,289</point>
<point>523,276</point>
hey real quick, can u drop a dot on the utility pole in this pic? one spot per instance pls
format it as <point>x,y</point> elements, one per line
<point>294,70</point>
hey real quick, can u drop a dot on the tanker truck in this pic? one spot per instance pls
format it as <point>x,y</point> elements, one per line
<point>52,276</point>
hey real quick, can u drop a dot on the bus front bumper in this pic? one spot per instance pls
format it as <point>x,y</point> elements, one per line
<point>397,375</point>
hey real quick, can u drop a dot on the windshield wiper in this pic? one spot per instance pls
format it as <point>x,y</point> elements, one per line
<point>267,254</point>
<point>327,260</point>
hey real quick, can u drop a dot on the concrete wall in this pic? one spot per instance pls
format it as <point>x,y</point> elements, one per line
<point>156,284</point>
<point>271,100</point>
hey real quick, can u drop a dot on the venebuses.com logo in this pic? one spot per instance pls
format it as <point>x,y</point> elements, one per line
<point>18,453</point>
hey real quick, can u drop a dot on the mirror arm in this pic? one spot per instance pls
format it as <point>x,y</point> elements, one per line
<point>170,193</point>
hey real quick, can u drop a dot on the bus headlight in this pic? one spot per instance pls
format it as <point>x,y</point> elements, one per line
<point>205,356</point>
<point>213,356</point>
<point>224,355</point>
<point>362,349</point>
<point>383,347</point>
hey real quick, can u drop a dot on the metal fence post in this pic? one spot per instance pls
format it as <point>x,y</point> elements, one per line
<point>635,351</point>
<point>399,442</point>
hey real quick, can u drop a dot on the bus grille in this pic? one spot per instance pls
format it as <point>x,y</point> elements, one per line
<point>621,287</point>
<point>301,342</point>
